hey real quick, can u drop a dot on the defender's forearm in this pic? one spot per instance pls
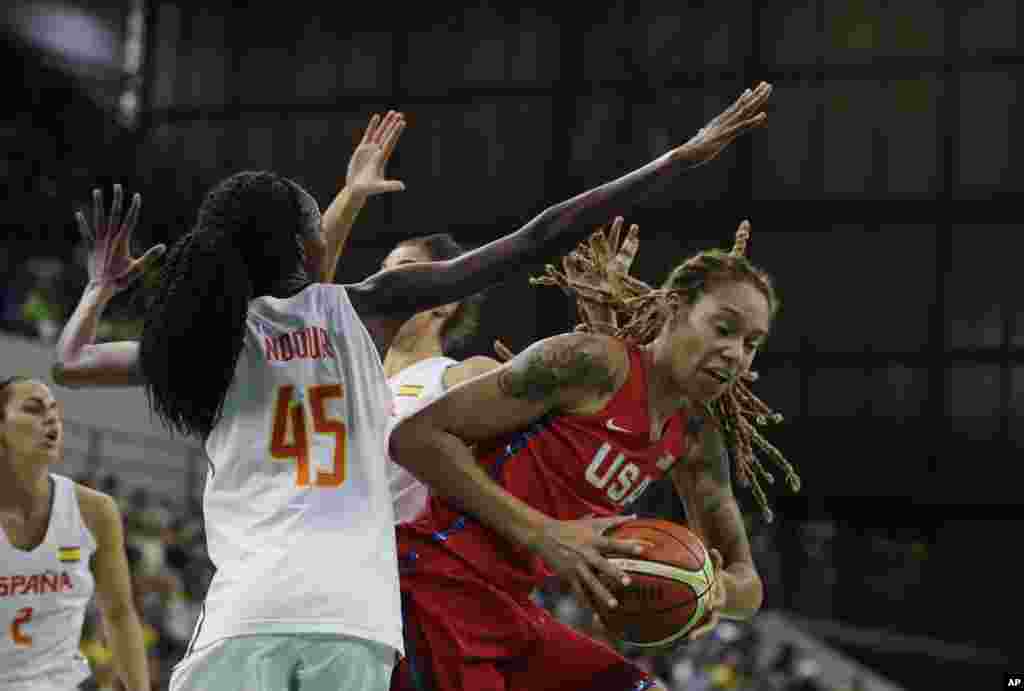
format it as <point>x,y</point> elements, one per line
<point>556,230</point>
<point>80,361</point>
<point>337,224</point>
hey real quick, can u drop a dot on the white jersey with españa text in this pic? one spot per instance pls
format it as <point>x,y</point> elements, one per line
<point>43,596</point>
<point>413,388</point>
<point>299,522</point>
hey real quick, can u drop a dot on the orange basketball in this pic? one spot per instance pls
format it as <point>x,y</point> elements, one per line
<point>670,584</point>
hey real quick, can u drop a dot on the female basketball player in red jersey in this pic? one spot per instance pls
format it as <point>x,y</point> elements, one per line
<point>580,424</point>
<point>418,363</point>
<point>59,542</point>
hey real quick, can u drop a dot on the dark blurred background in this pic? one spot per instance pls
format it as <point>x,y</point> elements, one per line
<point>881,196</point>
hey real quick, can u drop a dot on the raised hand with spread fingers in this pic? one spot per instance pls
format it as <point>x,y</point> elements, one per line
<point>111,265</point>
<point>366,177</point>
<point>112,269</point>
<point>745,114</point>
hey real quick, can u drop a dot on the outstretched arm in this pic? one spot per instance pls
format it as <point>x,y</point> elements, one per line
<point>365,178</point>
<point>405,290</point>
<point>705,487</point>
<point>79,360</point>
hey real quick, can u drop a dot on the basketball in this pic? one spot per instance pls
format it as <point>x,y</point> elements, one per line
<point>670,584</point>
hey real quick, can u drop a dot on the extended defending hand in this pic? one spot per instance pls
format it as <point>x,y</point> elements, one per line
<point>367,167</point>
<point>111,265</point>
<point>741,117</point>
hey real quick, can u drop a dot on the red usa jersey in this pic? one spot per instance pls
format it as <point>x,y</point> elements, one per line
<point>568,467</point>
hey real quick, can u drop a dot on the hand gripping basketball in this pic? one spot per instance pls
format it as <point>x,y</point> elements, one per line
<point>676,587</point>
<point>574,549</point>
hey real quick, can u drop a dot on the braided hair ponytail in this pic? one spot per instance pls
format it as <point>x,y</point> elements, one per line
<point>246,243</point>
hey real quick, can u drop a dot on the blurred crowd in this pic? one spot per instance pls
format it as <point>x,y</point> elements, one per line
<point>171,571</point>
<point>734,656</point>
<point>39,294</point>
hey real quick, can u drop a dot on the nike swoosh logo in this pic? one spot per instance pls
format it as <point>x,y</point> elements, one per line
<point>615,428</point>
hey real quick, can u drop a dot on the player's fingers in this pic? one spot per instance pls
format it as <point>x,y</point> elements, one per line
<point>83,227</point>
<point>594,585</point>
<point>756,101</point>
<point>629,548</point>
<point>114,221</point>
<point>130,220</point>
<point>729,113</point>
<point>97,211</point>
<point>605,524</point>
<point>389,186</point>
<point>368,134</point>
<point>613,233</point>
<point>716,558</point>
<point>623,260</point>
<point>388,121</point>
<point>732,109</point>
<point>705,628</point>
<point>141,265</point>
<point>503,351</point>
<point>378,131</point>
<point>152,256</point>
<point>392,138</point>
<point>726,136</point>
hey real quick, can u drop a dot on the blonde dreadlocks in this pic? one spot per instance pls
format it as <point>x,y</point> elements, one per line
<point>611,301</point>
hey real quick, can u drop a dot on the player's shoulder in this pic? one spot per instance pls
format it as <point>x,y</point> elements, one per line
<point>469,368</point>
<point>578,359</point>
<point>99,510</point>
<point>608,351</point>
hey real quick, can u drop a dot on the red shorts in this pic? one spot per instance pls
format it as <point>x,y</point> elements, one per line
<point>465,634</point>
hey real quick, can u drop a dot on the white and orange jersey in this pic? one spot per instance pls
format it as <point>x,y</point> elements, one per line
<point>43,596</point>
<point>413,388</point>
<point>299,523</point>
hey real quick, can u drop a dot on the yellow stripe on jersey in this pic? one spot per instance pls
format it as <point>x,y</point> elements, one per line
<point>71,554</point>
<point>410,390</point>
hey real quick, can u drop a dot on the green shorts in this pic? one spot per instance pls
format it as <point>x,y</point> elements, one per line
<point>287,663</point>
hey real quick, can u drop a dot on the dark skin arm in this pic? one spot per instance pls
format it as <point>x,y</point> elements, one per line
<point>704,484</point>
<point>387,299</point>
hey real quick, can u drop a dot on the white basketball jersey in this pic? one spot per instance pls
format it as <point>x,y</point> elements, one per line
<point>299,523</point>
<point>413,388</point>
<point>43,596</point>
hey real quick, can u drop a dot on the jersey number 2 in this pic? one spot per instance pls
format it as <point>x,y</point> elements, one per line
<point>19,637</point>
<point>290,413</point>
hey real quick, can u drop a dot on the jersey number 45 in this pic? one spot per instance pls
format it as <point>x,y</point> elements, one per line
<point>290,416</point>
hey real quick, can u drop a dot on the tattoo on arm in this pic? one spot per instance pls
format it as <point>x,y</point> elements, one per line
<point>723,520</point>
<point>714,463</point>
<point>541,371</point>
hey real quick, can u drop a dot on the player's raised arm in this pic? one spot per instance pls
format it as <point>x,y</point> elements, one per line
<point>405,290</point>
<point>79,360</point>
<point>566,373</point>
<point>365,178</point>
